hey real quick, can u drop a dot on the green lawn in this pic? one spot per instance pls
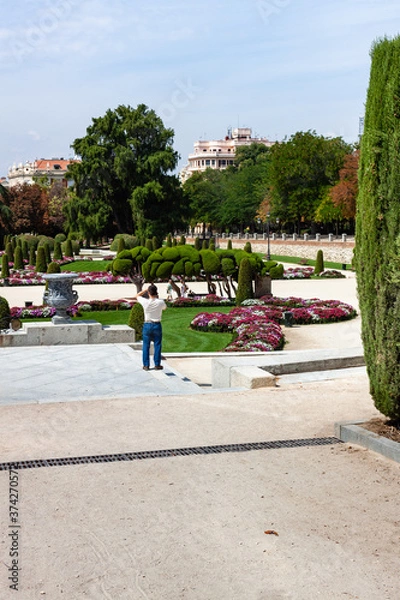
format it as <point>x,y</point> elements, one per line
<point>310,263</point>
<point>177,335</point>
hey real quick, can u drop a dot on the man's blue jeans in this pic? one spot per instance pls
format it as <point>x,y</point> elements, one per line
<point>152,332</point>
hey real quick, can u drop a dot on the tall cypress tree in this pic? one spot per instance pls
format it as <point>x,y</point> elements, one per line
<point>378,228</point>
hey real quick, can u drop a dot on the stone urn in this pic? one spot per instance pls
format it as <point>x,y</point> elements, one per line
<point>60,295</point>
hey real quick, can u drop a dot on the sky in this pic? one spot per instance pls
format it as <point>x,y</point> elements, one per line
<point>277,66</point>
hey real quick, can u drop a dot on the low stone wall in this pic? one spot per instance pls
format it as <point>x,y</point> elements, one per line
<point>335,250</point>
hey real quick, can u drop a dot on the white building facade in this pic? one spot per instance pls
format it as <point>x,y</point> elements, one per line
<point>53,169</point>
<point>219,154</point>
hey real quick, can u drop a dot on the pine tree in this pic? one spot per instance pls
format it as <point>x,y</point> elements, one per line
<point>378,228</point>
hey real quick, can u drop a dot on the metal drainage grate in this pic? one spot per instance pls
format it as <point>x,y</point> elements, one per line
<point>129,456</point>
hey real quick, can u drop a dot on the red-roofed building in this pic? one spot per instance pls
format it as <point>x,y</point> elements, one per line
<point>53,169</point>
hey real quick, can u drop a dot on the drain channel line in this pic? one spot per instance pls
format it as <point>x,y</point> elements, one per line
<point>130,456</point>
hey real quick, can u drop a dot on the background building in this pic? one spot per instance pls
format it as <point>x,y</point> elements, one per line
<point>219,154</point>
<point>53,169</point>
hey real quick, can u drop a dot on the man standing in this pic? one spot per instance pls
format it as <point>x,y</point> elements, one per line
<point>152,332</point>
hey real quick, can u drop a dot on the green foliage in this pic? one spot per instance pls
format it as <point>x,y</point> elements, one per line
<point>121,244</point>
<point>126,157</point>
<point>377,228</point>
<point>319,263</point>
<point>32,256</point>
<point>164,270</point>
<point>10,252</point>
<point>156,243</point>
<point>170,253</point>
<point>5,270</point>
<point>25,250</point>
<point>136,320</point>
<point>204,244</point>
<point>18,262</point>
<point>121,266</point>
<point>58,255</point>
<point>245,282</point>
<point>130,241</point>
<point>4,313</point>
<point>169,241</point>
<point>46,247</point>
<point>60,237</point>
<point>247,247</point>
<point>211,245</point>
<point>182,240</point>
<point>67,248</point>
<point>229,244</point>
<point>211,262</point>
<point>197,243</point>
<point>41,264</point>
<point>53,267</point>
<point>149,245</point>
<point>276,272</point>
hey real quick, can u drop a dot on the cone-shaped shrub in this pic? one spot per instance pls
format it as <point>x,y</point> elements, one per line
<point>149,245</point>
<point>245,282</point>
<point>168,242</point>
<point>319,263</point>
<point>32,256</point>
<point>378,228</point>
<point>41,264</point>
<point>25,250</point>
<point>204,245</point>
<point>58,255</point>
<point>247,247</point>
<point>5,270</point>
<point>182,240</point>
<point>18,262</point>
<point>197,243</point>
<point>10,252</point>
<point>136,320</point>
<point>46,247</point>
<point>156,243</point>
<point>4,313</point>
<point>68,251</point>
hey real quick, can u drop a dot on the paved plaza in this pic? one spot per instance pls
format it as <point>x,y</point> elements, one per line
<point>165,488</point>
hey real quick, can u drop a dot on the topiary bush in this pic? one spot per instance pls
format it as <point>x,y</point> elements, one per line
<point>319,263</point>
<point>18,262</point>
<point>136,320</point>
<point>32,256</point>
<point>60,237</point>
<point>5,269</point>
<point>197,243</point>
<point>46,247</point>
<point>121,244</point>
<point>377,246</point>
<point>58,255</point>
<point>10,252</point>
<point>276,272</point>
<point>67,248</point>
<point>4,313</point>
<point>248,248</point>
<point>245,282</point>
<point>41,264</point>
<point>182,240</point>
<point>229,244</point>
<point>53,267</point>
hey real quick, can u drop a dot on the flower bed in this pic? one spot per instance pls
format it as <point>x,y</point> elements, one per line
<point>307,272</point>
<point>208,300</point>
<point>37,312</point>
<point>31,277</point>
<point>256,324</point>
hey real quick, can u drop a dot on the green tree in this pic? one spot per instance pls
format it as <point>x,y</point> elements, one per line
<point>41,264</point>
<point>204,193</point>
<point>5,270</point>
<point>18,262</point>
<point>126,157</point>
<point>378,227</point>
<point>319,263</point>
<point>300,170</point>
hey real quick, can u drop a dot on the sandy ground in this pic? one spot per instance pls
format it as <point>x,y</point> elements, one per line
<point>193,527</point>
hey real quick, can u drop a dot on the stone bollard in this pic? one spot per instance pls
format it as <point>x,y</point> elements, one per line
<point>273,236</point>
<point>294,237</point>
<point>330,237</point>
<point>318,237</point>
<point>284,237</point>
<point>306,237</point>
<point>344,237</point>
<point>223,236</point>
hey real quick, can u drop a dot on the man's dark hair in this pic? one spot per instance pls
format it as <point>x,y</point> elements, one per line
<point>152,289</point>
